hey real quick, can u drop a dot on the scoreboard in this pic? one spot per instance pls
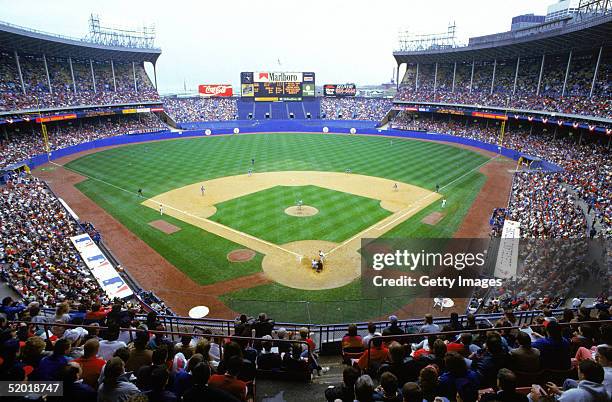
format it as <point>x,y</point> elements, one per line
<point>277,86</point>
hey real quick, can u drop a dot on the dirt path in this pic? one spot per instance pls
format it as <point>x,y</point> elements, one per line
<point>290,265</point>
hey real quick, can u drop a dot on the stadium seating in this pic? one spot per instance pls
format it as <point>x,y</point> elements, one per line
<point>62,93</point>
<point>576,100</point>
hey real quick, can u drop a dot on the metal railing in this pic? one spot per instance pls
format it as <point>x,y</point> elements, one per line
<point>407,337</point>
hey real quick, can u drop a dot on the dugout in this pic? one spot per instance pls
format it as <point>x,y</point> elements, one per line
<point>15,168</point>
<point>532,162</point>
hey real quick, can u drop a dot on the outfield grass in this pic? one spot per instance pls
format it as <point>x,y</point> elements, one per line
<point>162,166</point>
<point>340,216</point>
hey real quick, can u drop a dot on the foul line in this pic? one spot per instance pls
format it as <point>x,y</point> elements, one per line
<point>411,210</point>
<point>188,214</point>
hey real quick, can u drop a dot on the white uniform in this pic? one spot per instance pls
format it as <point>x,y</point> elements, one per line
<point>161,209</point>
<point>443,202</point>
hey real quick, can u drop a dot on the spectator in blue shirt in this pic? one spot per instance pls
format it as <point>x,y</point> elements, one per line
<point>554,349</point>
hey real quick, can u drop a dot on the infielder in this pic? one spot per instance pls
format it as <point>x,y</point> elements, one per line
<point>321,255</point>
<point>250,171</point>
<point>202,189</point>
<point>161,209</point>
<point>395,187</point>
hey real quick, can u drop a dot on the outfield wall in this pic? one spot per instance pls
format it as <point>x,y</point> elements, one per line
<point>250,126</point>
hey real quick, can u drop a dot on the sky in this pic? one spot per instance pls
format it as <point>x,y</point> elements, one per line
<point>211,42</point>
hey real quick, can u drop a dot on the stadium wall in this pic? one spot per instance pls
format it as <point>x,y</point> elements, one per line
<point>313,126</point>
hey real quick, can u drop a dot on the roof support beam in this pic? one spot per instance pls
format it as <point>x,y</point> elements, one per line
<point>93,77</point>
<point>493,78</point>
<point>435,78</point>
<point>569,60</point>
<point>155,76</point>
<point>19,71</point>
<point>47,71</point>
<point>416,81</point>
<point>134,73</point>
<point>472,76</point>
<point>114,79</point>
<point>72,74</point>
<point>518,62</point>
<point>454,74</point>
<point>541,72</point>
<point>595,78</point>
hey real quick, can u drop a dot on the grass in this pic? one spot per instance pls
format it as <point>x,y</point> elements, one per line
<point>262,215</point>
<point>162,166</point>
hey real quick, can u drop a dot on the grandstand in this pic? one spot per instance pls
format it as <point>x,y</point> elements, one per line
<point>77,269</point>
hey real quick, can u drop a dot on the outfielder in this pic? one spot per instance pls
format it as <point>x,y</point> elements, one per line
<point>443,202</point>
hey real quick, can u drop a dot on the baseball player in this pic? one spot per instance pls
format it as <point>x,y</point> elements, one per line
<point>437,188</point>
<point>161,209</point>
<point>321,255</point>
<point>443,202</point>
<point>250,171</point>
<point>140,193</point>
<point>395,187</point>
<point>253,161</point>
<point>202,189</point>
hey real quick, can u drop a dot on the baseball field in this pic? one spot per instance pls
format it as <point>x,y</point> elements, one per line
<point>236,220</point>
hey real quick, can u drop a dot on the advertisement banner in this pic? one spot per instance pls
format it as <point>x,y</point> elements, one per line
<point>212,90</point>
<point>339,90</point>
<point>270,76</point>
<point>101,268</point>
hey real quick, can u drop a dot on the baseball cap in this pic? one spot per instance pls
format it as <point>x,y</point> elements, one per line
<point>393,318</point>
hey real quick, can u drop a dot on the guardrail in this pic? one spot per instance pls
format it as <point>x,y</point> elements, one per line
<point>408,337</point>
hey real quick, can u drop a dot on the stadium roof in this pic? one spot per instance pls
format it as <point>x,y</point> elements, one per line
<point>559,36</point>
<point>24,40</point>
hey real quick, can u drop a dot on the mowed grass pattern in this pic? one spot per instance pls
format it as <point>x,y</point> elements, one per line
<point>162,166</point>
<point>340,216</point>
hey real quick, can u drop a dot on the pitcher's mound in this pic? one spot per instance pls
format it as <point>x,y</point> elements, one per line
<point>164,226</point>
<point>304,210</point>
<point>240,255</point>
<point>433,218</point>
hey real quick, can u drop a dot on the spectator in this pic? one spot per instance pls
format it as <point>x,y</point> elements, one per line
<point>364,389</point>
<point>371,334</point>
<point>114,388</point>
<point>74,390</point>
<point>458,379</point>
<point>91,364</point>
<point>351,340</point>
<point>506,383</point>
<point>373,356</point>
<point>50,366</point>
<point>603,356</point>
<point>393,328</point>
<point>158,393</point>
<point>140,356</point>
<point>388,389</point>
<point>110,344</point>
<point>346,391</point>
<point>589,388</point>
<point>429,327</point>
<point>229,381</point>
<point>554,349</point>
<point>267,359</point>
<point>525,358</point>
<point>201,391</point>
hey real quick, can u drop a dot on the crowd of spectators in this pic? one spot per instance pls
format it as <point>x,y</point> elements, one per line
<point>351,108</point>
<point>201,109</point>
<point>24,141</point>
<point>64,92</point>
<point>544,203</point>
<point>36,254</point>
<point>576,100</point>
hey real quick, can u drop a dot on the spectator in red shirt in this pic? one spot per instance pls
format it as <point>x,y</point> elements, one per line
<point>91,364</point>
<point>375,355</point>
<point>229,381</point>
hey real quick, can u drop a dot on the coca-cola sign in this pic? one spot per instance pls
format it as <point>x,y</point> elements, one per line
<point>216,90</point>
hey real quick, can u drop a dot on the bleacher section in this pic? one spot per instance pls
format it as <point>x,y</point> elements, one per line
<point>250,110</point>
